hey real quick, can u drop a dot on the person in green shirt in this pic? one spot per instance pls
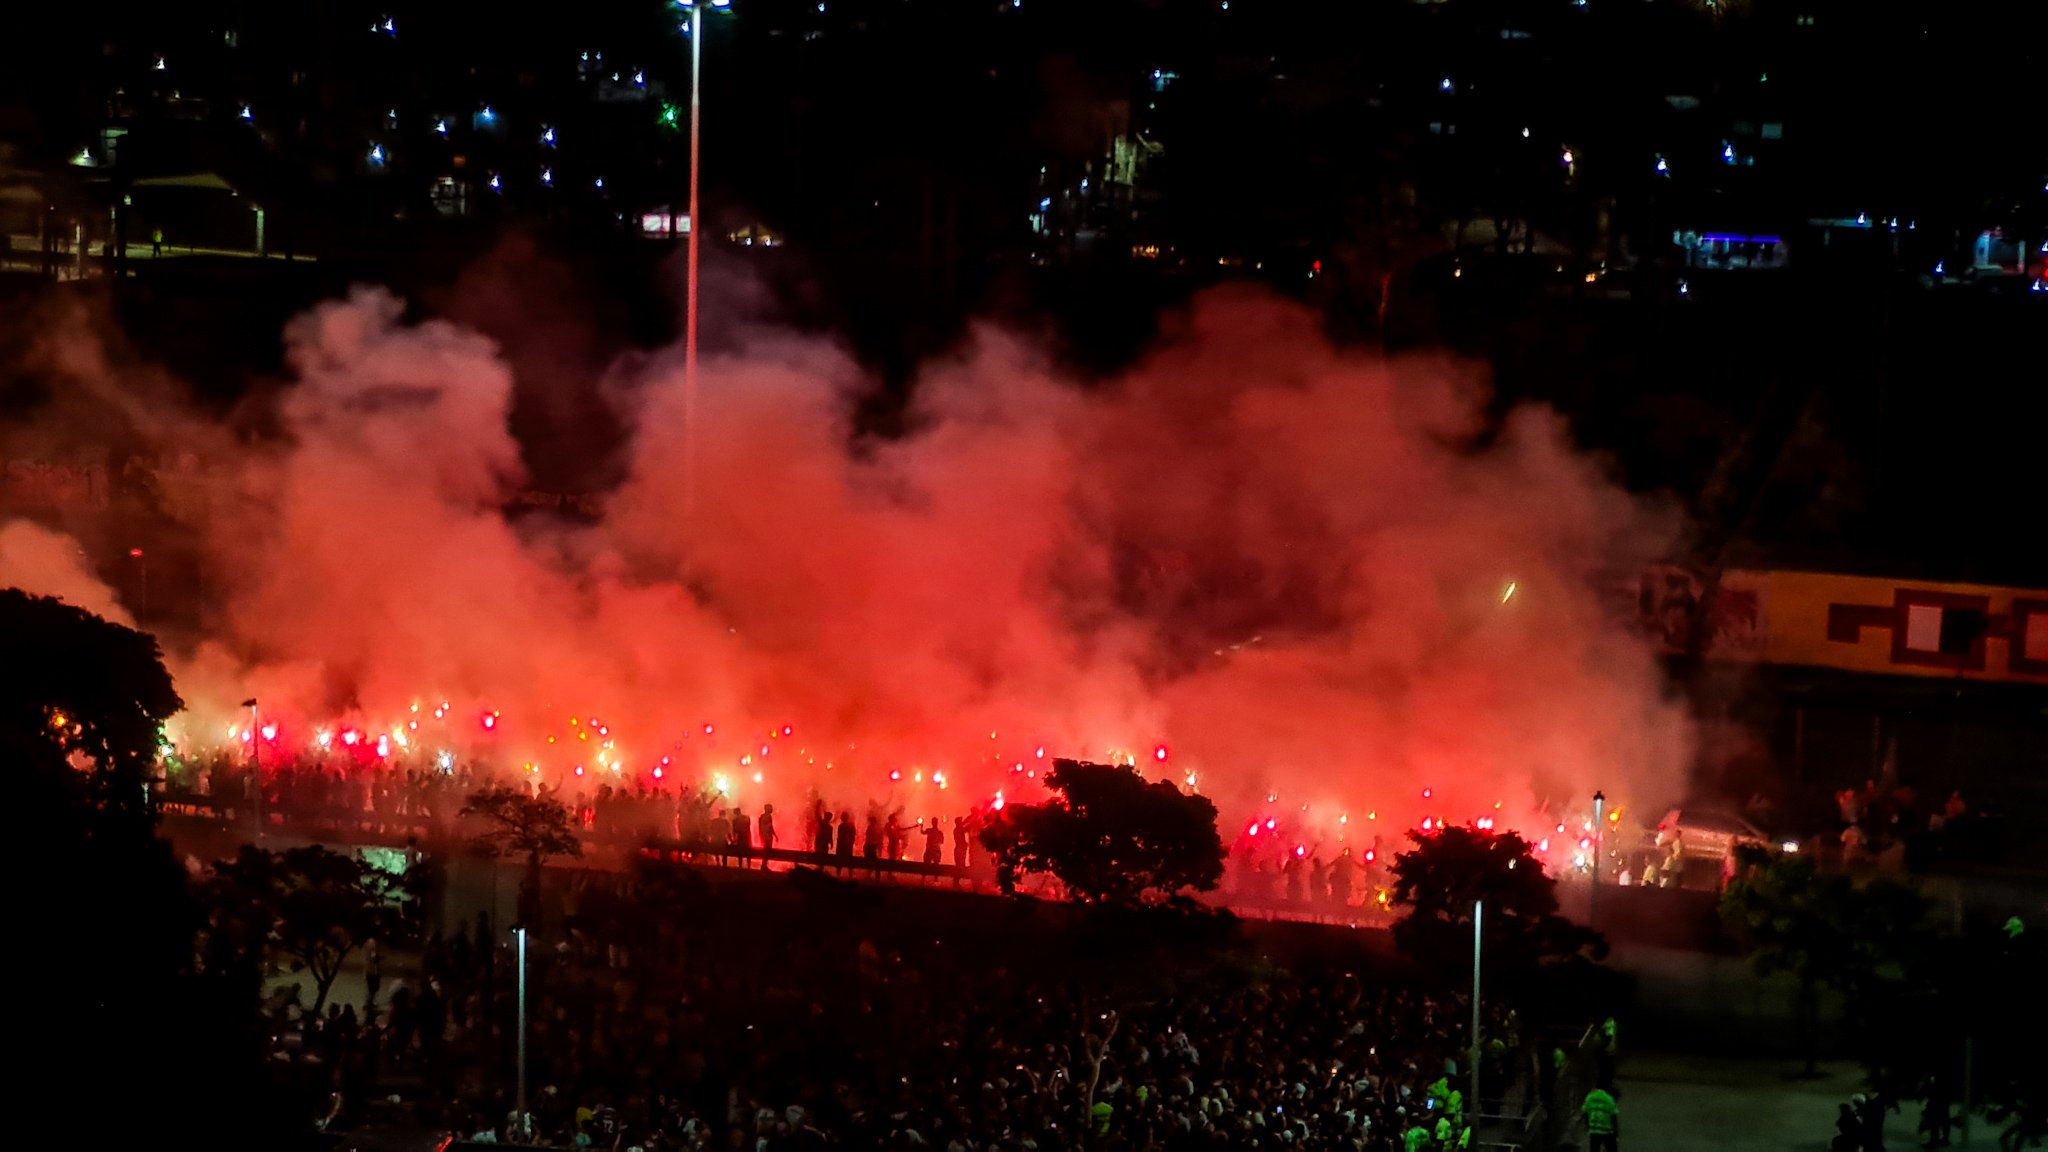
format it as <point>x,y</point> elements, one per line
<point>1603,1121</point>
<point>1414,1138</point>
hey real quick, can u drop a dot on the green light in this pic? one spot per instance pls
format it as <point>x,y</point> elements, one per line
<point>671,117</point>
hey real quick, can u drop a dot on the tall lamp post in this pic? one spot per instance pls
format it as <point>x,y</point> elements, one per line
<point>696,10</point>
<point>519,1097</point>
<point>255,762</point>
<point>1478,914</point>
<point>1593,891</point>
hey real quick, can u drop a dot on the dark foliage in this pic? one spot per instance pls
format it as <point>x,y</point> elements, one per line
<point>1825,930</point>
<point>521,823</point>
<point>314,907</point>
<point>121,1007</point>
<point>1110,836</point>
<point>1522,934</point>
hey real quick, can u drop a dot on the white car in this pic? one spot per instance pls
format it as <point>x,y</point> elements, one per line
<point>1708,834</point>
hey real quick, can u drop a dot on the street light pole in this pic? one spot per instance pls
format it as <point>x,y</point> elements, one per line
<point>690,303</point>
<point>519,1099</point>
<point>1478,914</point>
<point>1593,891</point>
<point>255,762</point>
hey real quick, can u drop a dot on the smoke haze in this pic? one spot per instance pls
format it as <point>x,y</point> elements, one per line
<point>1315,583</point>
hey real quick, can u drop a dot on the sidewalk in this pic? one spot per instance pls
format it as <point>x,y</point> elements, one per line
<point>1713,1104</point>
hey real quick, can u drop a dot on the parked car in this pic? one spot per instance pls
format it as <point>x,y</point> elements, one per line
<point>1706,833</point>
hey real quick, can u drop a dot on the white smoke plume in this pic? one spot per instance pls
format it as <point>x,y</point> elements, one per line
<point>1313,583</point>
<point>44,562</point>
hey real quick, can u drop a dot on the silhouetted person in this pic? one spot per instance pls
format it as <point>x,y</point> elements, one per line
<point>821,833</point>
<point>844,845</point>
<point>742,838</point>
<point>871,839</point>
<point>767,826</point>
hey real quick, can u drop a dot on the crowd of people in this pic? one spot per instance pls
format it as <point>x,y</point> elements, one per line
<point>338,796</point>
<point>672,1033</point>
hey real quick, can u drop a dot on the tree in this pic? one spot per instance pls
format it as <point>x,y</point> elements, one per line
<point>1521,932</point>
<point>533,825</point>
<point>317,906</point>
<point>1976,991</point>
<point>95,692</point>
<point>1824,930</point>
<point>1110,836</point>
<point>118,994</point>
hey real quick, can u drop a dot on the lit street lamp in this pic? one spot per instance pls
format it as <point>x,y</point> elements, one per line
<point>1478,913</point>
<point>142,581</point>
<point>1593,892</point>
<point>690,305</point>
<point>255,763</point>
<point>519,1104</point>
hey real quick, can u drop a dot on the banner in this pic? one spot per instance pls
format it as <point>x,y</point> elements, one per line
<point>1851,623</point>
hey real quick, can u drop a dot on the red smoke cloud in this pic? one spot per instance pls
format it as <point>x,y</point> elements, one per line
<point>1316,578</point>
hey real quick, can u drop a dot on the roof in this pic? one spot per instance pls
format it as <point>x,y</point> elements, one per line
<point>190,180</point>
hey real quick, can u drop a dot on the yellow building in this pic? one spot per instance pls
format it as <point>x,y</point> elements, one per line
<point>1877,625</point>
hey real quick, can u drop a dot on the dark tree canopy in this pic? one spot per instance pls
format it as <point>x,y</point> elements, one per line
<point>122,1006</point>
<point>1913,994</point>
<point>1450,868</point>
<point>88,688</point>
<point>1825,930</point>
<point>521,823</point>
<point>1110,836</point>
<point>315,906</point>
